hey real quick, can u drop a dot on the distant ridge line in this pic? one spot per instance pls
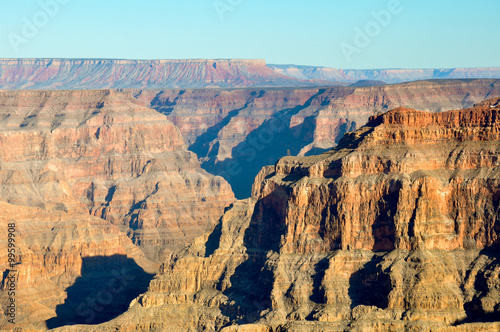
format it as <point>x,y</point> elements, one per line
<point>128,61</point>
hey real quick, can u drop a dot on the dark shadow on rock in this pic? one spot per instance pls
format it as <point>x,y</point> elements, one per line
<point>263,146</point>
<point>330,229</point>
<point>351,140</point>
<point>316,151</point>
<point>105,289</point>
<point>484,283</point>
<point>252,281</point>
<point>268,222</point>
<point>133,214</point>
<point>202,145</point>
<point>213,240</point>
<point>370,285</point>
<point>165,107</point>
<point>384,228</point>
<point>475,317</point>
<point>318,293</point>
<point>250,291</point>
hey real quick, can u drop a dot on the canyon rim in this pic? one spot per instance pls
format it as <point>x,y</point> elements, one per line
<point>249,166</point>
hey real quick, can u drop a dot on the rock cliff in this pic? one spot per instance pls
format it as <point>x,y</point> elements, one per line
<point>396,229</point>
<point>55,253</point>
<point>237,132</point>
<point>138,74</point>
<point>103,153</point>
<point>202,73</point>
<point>95,183</point>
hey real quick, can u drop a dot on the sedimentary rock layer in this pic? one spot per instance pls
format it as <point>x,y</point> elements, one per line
<point>134,74</point>
<point>200,73</point>
<point>103,153</point>
<point>237,132</point>
<point>395,229</point>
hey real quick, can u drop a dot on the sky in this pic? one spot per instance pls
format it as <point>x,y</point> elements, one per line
<point>349,34</point>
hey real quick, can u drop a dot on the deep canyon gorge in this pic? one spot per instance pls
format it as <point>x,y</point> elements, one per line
<point>224,195</point>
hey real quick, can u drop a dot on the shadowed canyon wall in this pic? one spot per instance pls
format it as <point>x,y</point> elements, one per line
<point>89,174</point>
<point>237,132</point>
<point>396,229</point>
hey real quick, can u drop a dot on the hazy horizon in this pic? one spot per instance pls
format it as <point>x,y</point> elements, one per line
<point>387,34</point>
<point>242,59</point>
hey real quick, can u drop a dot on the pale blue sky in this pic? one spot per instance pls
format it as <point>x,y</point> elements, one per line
<point>422,34</point>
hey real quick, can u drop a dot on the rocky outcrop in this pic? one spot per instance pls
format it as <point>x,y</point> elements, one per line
<point>138,74</point>
<point>101,152</point>
<point>101,189</point>
<point>54,253</point>
<point>326,74</point>
<point>395,229</point>
<point>237,132</point>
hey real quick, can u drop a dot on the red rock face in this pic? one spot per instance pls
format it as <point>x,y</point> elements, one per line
<point>138,74</point>
<point>54,252</point>
<point>415,167</point>
<point>237,132</point>
<point>101,152</point>
<point>79,171</point>
<point>395,229</point>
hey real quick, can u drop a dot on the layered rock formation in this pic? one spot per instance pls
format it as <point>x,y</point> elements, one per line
<point>396,229</point>
<point>86,176</point>
<point>138,74</point>
<point>202,73</point>
<point>102,152</point>
<point>55,252</point>
<point>237,132</point>
<point>325,74</point>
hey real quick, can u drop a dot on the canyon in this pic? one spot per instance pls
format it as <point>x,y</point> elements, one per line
<point>395,229</point>
<point>103,153</point>
<point>124,199</point>
<point>96,184</point>
<point>236,132</point>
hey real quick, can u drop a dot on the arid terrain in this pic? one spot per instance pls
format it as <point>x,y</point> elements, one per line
<point>88,175</point>
<point>396,229</point>
<point>136,74</point>
<point>203,73</point>
<point>237,132</point>
<point>221,195</point>
<point>388,76</point>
